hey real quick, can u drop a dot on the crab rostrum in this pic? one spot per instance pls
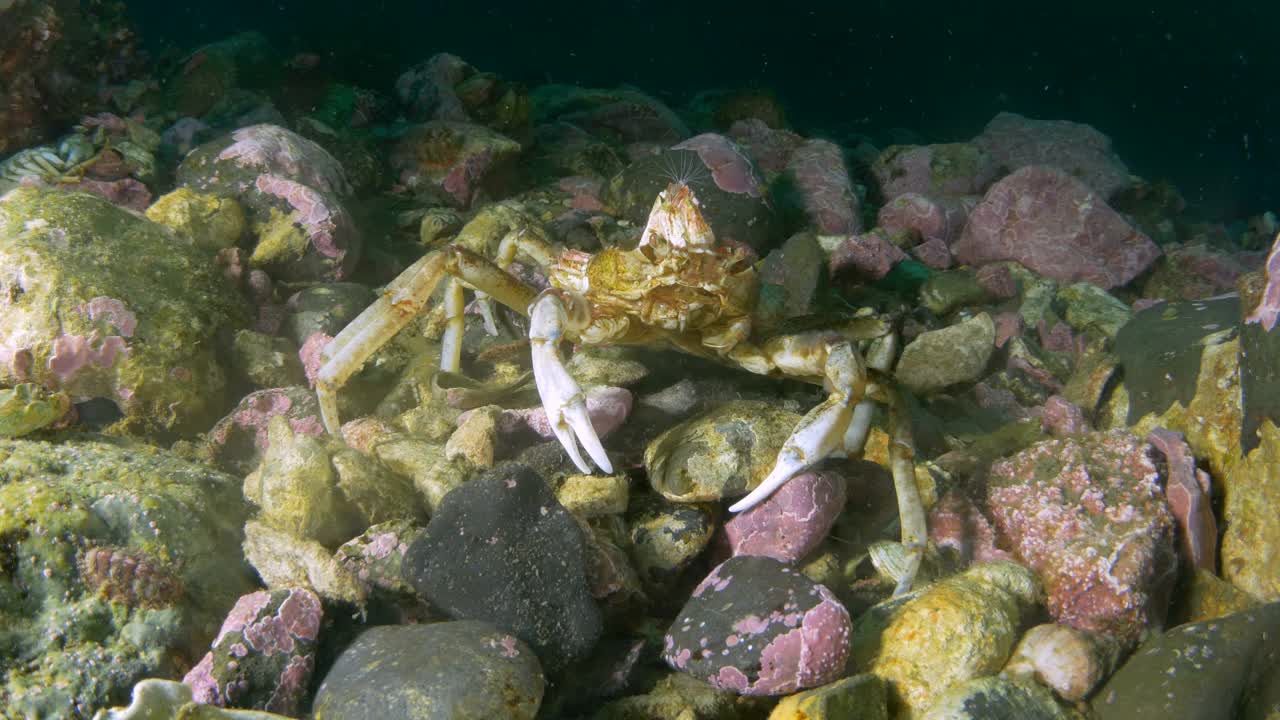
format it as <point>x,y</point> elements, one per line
<point>677,287</point>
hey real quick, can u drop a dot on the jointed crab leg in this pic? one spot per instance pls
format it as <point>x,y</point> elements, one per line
<point>839,426</point>
<point>402,300</point>
<point>821,432</point>
<point>550,315</point>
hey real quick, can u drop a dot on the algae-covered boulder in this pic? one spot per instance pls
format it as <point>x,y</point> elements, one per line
<point>292,189</point>
<point>99,302</point>
<point>121,562</point>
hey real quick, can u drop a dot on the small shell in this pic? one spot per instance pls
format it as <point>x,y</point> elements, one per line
<point>889,558</point>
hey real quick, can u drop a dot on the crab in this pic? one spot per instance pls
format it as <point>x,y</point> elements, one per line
<point>677,287</point>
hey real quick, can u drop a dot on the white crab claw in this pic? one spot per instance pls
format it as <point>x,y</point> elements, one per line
<point>562,398</point>
<point>839,420</point>
<point>819,434</point>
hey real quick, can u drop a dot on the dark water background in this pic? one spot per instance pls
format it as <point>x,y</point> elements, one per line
<point>1186,90</point>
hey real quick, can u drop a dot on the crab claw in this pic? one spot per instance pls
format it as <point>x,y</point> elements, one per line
<point>562,398</point>
<point>823,431</point>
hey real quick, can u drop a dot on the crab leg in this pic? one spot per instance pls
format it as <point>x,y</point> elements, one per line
<point>516,241</point>
<point>821,432</point>
<point>402,300</point>
<point>839,425</point>
<point>565,404</point>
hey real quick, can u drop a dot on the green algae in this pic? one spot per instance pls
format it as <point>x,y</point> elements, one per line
<point>147,329</point>
<point>68,648</point>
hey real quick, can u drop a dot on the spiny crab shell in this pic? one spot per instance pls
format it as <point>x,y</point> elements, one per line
<point>678,278</point>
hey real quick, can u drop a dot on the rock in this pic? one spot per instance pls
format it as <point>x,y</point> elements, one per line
<point>445,87</point>
<point>237,441</point>
<point>957,524</point>
<point>1057,226</point>
<point>1013,142</point>
<point>125,558</point>
<point>757,627</point>
<point>791,522</point>
<point>861,697</point>
<point>266,361</point>
<point>791,278</point>
<point>620,116</point>
<point>1251,542</point>
<point>1196,672</point>
<point>264,654</point>
<point>1088,514</point>
<point>934,170</point>
<point>560,148</point>
<point>500,548</point>
<point>665,538</point>
<point>324,309</point>
<point>293,191</point>
<point>1190,500</point>
<point>720,454</point>
<point>1088,307</point>
<point>27,407</point>
<point>589,496</point>
<point>1192,272</point>
<point>1060,417</point>
<point>285,561</point>
<point>78,313</point>
<point>1259,362</point>
<point>440,671</point>
<point>957,629</point>
<point>125,193</point>
<point>296,488</point>
<point>933,254</point>
<point>376,556</point>
<point>1181,364</point>
<point>455,161</point>
<point>614,581</point>
<point>607,407</point>
<point>929,219</point>
<point>217,69</point>
<point>721,108</point>
<point>819,175</point>
<point>154,699</point>
<point>1266,308</point>
<point>955,354</point>
<point>998,280</point>
<point>869,256</point>
<point>1207,596</point>
<point>947,291</point>
<point>678,695</point>
<point>212,221</point>
<point>770,148</point>
<point>1072,662</point>
<point>476,437</point>
<point>998,698</point>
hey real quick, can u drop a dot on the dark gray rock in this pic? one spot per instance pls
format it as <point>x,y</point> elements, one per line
<point>442,671</point>
<point>502,549</point>
<point>1160,349</point>
<point>1214,670</point>
<point>758,627</point>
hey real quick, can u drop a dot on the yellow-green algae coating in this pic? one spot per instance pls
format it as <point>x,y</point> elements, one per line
<point>214,222</point>
<point>26,408</point>
<point>958,629</point>
<point>720,454</point>
<point>62,255</point>
<point>1251,543</point>
<point>59,636</point>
